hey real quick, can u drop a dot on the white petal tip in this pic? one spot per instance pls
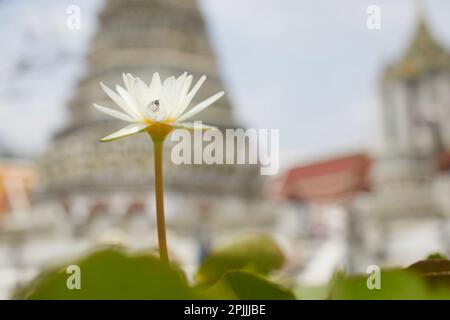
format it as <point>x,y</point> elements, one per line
<point>105,139</point>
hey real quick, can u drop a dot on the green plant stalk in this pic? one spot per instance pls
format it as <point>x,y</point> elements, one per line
<point>158,133</point>
<point>159,197</point>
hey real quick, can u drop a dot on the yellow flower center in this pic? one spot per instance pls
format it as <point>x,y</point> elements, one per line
<point>158,131</point>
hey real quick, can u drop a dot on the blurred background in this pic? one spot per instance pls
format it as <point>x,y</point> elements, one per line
<point>364,119</point>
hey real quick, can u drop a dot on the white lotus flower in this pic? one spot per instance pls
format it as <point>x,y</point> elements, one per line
<point>156,107</point>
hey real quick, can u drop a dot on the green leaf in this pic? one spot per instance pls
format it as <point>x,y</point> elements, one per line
<point>115,274</point>
<point>244,285</point>
<point>257,253</point>
<point>436,272</point>
<point>112,274</point>
<point>395,284</point>
<point>436,256</point>
<point>311,292</point>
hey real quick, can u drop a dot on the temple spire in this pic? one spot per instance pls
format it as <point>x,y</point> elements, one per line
<point>424,52</point>
<point>421,10</point>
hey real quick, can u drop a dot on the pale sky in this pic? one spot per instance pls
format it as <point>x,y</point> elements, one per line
<point>309,68</point>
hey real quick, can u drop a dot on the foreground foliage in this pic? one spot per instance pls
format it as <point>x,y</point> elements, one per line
<point>113,273</point>
<point>241,269</point>
<point>424,280</point>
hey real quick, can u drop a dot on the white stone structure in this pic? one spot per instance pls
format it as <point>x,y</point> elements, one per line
<point>405,217</point>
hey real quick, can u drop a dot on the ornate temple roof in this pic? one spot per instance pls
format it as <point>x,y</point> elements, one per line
<point>423,55</point>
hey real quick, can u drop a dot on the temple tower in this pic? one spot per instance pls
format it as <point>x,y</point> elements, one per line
<point>88,178</point>
<point>415,103</point>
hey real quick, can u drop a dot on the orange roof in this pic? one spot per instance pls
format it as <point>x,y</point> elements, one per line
<point>325,180</point>
<point>443,161</point>
<point>332,179</point>
<point>21,173</point>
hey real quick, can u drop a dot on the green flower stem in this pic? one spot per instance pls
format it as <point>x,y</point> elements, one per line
<point>159,197</point>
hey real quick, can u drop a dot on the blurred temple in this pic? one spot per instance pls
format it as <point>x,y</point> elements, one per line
<point>410,177</point>
<point>396,203</point>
